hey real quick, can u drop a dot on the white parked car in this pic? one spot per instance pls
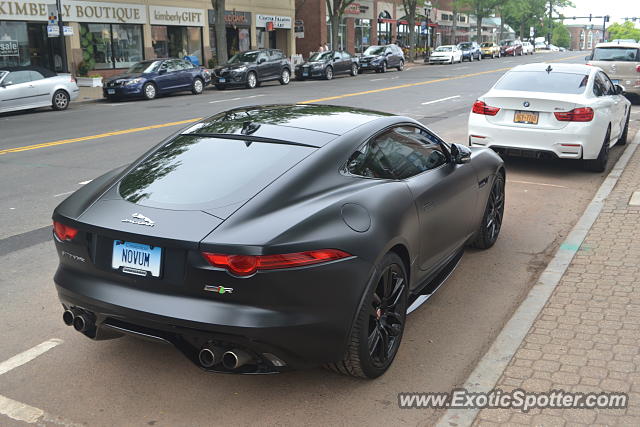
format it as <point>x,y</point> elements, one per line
<point>554,48</point>
<point>23,88</point>
<point>447,54</point>
<point>568,111</point>
<point>527,48</point>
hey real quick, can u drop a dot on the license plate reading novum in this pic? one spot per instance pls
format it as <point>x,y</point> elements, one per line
<point>136,258</point>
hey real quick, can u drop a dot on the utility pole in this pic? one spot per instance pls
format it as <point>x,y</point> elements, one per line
<point>63,45</point>
<point>604,26</point>
<point>550,22</point>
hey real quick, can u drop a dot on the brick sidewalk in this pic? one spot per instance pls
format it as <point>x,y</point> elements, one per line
<point>587,337</point>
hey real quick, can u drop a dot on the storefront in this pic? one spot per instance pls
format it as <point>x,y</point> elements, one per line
<point>177,32</point>
<point>238,31</point>
<point>273,31</point>
<point>361,13</point>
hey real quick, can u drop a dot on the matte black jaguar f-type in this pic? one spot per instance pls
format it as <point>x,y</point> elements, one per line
<point>276,237</point>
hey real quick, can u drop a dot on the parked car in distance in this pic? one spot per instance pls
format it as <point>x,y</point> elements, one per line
<point>447,54</point>
<point>154,77</point>
<point>527,48</point>
<point>381,58</point>
<point>621,62</point>
<point>276,237</point>
<point>542,110</point>
<point>252,68</point>
<point>327,64</point>
<point>470,51</point>
<point>23,88</point>
<point>490,50</point>
<point>541,46</point>
<point>510,48</point>
<point>553,48</point>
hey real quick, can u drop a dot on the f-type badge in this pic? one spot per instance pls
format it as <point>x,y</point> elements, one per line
<point>218,289</point>
<point>140,220</point>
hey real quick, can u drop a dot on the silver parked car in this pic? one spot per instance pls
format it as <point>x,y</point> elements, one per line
<point>32,87</point>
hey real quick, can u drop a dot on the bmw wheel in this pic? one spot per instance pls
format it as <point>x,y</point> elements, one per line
<point>599,164</point>
<point>60,100</point>
<point>491,224</point>
<point>328,73</point>
<point>377,331</point>
<point>198,86</point>
<point>252,80</point>
<point>285,77</point>
<point>149,91</point>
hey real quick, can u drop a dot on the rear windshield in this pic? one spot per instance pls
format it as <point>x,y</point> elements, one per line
<point>195,172</point>
<point>541,81</point>
<point>616,54</point>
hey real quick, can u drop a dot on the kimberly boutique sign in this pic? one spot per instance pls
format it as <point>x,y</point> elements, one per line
<point>74,11</point>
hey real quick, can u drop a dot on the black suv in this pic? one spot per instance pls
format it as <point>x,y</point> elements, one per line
<point>252,68</point>
<point>379,58</point>
<point>327,64</point>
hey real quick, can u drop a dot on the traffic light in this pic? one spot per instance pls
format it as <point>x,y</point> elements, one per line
<point>589,17</point>
<point>606,18</point>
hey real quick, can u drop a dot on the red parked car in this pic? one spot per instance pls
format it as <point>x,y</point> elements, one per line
<point>511,47</point>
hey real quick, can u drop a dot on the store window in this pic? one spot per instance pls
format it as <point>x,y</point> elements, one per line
<point>26,43</point>
<point>384,28</point>
<point>177,42</point>
<point>363,34</point>
<point>106,46</point>
<point>341,43</point>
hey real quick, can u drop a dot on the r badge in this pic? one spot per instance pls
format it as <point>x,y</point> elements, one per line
<point>218,289</point>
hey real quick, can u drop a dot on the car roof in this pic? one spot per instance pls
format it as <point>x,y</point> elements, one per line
<point>314,125</point>
<point>563,68</point>
<point>619,44</point>
<point>44,71</point>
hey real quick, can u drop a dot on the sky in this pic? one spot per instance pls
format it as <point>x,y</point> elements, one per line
<point>617,9</point>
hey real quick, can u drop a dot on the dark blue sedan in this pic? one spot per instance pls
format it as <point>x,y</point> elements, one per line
<point>151,78</point>
<point>470,51</point>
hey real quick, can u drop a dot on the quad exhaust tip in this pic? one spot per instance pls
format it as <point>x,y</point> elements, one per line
<point>210,355</point>
<point>236,358</point>
<point>81,323</point>
<point>67,317</point>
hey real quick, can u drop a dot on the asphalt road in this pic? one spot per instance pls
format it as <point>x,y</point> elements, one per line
<point>45,155</point>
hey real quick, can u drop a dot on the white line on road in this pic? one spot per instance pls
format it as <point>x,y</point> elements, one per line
<point>440,100</point>
<point>28,355</point>
<point>234,99</point>
<point>19,411</point>
<point>536,183</point>
<point>460,68</point>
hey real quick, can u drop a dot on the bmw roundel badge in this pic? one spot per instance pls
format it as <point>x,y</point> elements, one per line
<point>526,103</point>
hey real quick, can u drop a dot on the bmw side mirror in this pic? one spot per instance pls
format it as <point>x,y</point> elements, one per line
<point>620,89</point>
<point>460,154</point>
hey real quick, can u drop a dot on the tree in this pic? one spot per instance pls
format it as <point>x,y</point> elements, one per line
<point>522,14</point>
<point>560,36</point>
<point>482,9</point>
<point>410,10</point>
<point>221,31</point>
<point>624,31</point>
<point>336,9</point>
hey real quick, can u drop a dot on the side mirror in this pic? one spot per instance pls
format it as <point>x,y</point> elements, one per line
<point>460,154</point>
<point>587,58</point>
<point>5,84</point>
<point>162,71</point>
<point>620,89</point>
<point>261,60</point>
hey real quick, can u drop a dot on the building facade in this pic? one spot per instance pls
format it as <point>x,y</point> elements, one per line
<point>583,36</point>
<point>110,36</point>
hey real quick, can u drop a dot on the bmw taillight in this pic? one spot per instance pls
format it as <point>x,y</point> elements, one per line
<point>245,265</point>
<point>64,232</point>
<point>479,107</point>
<point>582,114</point>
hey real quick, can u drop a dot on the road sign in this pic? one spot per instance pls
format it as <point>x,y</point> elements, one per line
<point>53,30</point>
<point>532,31</point>
<point>67,31</point>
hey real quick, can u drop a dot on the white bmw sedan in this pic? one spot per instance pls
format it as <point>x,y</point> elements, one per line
<point>568,111</point>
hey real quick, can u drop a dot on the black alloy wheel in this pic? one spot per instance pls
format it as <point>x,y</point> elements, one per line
<point>285,76</point>
<point>377,332</point>
<point>491,224</point>
<point>599,164</point>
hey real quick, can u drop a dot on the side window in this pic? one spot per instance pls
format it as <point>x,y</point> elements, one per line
<point>17,77</point>
<point>610,89</point>
<point>388,51</point>
<point>186,65</point>
<point>345,56</point>
<point>36,75</point>
<point>598,86</point>
<point>369,161</point>
<point>261,55</point>
<point>411,151</point>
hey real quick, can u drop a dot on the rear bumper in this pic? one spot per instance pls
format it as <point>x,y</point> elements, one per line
<point>574,141</point>
<point>307,328</point>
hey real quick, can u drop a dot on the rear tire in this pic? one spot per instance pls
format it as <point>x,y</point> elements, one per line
<point>377,331</point>
<point>625,133</point>
<point>600,163</point>
<point>149,91</point>
<point>60,100</point>
<point>383,68</point>
<point>354,70</point>
<point>198,86</point>
<point>491,224</point>
<point>285,77</point>
<point>328,73</point>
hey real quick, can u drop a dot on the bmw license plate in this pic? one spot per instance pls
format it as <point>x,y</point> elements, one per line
<point>136,258</point>
<point>111,91</point>
<point>527,117</point>
<point>221,80</point>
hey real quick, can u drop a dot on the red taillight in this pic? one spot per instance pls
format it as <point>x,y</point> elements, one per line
<point>638,68</point>
<point>480,107</point>
<point>72,79</point>
<point>583,114</point>
<point>245,265</point>
<point>64,232</point>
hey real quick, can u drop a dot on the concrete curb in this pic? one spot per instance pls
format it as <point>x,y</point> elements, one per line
<point>490,368</point>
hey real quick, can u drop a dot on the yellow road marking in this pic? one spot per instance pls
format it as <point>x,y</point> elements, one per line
<point>98,136</point>
<point>311,101</point>
<point>444,79</point>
